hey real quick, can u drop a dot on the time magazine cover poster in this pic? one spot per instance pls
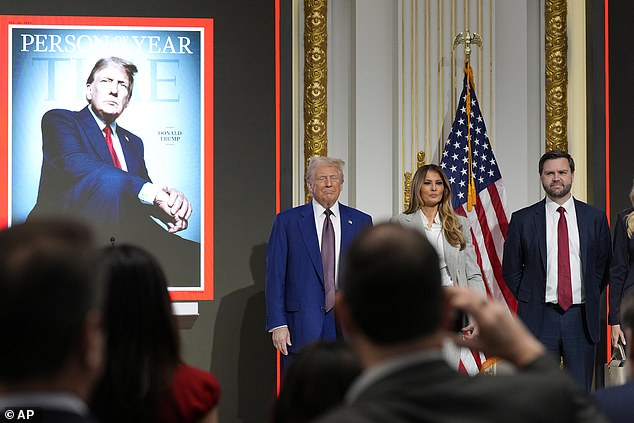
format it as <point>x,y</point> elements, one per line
<point>169,120</point>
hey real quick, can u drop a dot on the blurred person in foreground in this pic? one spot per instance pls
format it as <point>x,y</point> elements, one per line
<point>617,401</point>
<point>398,335</point>
<point>50,309</point>
<point>145,379</point>
<point>316,381</point>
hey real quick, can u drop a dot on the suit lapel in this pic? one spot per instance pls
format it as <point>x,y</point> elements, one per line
<point>347,225</point>
<point>306,224</point>
<point>540,230</point>
<point>132,159</point>
<point>583,227</point>
<point>451,258</point>
<point>416,220</point>
<point>94,135</point>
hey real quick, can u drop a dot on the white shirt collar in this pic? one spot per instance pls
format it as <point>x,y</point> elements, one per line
<point>101,123</point>
<point>552,207</point>
<point>425,222</point>
<point>318,209</point>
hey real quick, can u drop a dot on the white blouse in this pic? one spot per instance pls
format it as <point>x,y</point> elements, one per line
<point>436,237</point>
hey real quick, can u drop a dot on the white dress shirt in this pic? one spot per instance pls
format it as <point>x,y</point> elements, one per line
<point>576,275</point>
<point>436,237</point>
<point>335,218</point>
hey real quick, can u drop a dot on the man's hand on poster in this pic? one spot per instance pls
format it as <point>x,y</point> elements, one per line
<point>176,206</point>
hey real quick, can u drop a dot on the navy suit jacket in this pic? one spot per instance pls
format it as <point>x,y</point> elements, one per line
<point>616,402</point>
<point>77,168</point>
<point>294,275</point>
<point>524,262</point>
<point>621,274</point>
<point>431,391</point>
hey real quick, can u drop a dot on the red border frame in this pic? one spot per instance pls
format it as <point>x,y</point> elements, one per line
<point>606,60</point>
<point>277,149</point>
<point>207,293</point>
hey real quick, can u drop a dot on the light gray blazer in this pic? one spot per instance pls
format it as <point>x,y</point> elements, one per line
<point>462,265</point>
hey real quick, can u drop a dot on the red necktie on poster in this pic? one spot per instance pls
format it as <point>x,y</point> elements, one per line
<point>328,259</point>
<point>113,153</point>
<point>564,282</point>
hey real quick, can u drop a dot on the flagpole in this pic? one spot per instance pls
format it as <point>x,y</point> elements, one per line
<point>467,38</point>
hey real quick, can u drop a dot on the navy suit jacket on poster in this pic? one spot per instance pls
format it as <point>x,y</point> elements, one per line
<point>524,263</point>
<point>294,273</point>
<point>77,168</point>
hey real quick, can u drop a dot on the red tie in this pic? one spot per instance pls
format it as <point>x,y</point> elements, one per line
<point>113,153</point>
<point>564,283</point>
<point>328,260</point>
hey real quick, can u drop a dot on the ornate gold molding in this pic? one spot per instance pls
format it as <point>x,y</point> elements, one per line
<point>556,75</point>
<point>315,80</point>
<point>407,179</point>
<point>407,189</point>
<point>420,159</point>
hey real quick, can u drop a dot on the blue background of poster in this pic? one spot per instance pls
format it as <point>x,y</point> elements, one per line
<point>49,67</point>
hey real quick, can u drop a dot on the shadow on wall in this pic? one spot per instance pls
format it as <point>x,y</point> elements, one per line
<point>243,357</point>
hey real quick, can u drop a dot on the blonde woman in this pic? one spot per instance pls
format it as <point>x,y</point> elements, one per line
<point>430,212</point>
<point>621,268</point>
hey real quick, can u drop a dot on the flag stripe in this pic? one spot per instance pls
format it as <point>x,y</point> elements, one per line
<point>496,201</point>
<point>488,275</point>
<point>493,256</point>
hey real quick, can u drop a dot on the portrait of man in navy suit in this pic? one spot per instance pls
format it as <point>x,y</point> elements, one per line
<point>300,272</point>
<point>556,260</point>
<point>95,169</point>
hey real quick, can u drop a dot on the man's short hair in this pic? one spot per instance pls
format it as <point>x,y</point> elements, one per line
<point>129,68</point>
<point>46,291</point>
<point>391,284</point>
<point>556,154</point>
<point>320,161</point>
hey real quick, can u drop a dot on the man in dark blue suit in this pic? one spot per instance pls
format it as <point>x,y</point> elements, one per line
<point>95,169</point>
<point>556,261</point>
<point>297,310</point>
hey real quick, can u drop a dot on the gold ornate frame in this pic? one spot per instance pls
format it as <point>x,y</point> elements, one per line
<point>556,23</point>
<point>315,80</point>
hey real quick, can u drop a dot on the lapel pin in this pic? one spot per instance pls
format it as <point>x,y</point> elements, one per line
<point>349,222</point>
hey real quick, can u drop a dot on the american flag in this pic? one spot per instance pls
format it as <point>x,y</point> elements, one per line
<point>478,193</point>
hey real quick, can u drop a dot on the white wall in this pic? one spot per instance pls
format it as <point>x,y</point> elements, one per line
<point>518,89</point>
<point>364,95</point>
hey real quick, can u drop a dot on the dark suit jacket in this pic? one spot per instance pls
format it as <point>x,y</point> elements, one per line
<point>294,276</point>
<point>524,263</point>
<point>616,402</point>
<point>56,416</point>
<point>621,275</point>
<point>77,168</point>
<point>432,392</point>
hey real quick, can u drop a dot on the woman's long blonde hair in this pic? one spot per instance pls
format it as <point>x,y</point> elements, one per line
<point>452,229</point>
<point>629,219</point>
